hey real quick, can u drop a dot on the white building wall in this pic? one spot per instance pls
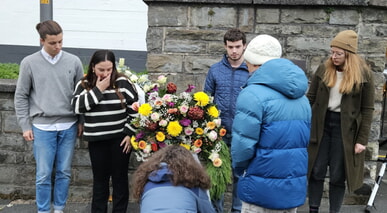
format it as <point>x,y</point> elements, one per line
<point>99,24</point>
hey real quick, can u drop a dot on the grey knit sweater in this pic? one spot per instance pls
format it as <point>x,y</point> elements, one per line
<point>44,90</point>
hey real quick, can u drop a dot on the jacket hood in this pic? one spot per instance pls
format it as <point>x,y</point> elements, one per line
<point>160,175</point>
<point>283,76</point>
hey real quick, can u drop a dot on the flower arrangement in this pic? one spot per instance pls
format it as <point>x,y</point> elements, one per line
<point>186,119</point>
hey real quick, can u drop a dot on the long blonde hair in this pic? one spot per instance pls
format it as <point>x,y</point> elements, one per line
<point>355,70</point>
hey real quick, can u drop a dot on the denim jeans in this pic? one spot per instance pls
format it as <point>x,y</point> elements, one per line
<point>236,204</point>
<point>53,149</point>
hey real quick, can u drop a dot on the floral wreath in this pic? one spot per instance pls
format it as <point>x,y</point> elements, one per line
<point>187,119</point>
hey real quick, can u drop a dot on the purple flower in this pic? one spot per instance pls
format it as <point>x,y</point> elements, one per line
<point>140,135</point>
<point>155,88</point>
<point>162,144</point>
<point>185,122</point>
<point>190,88</point>
<point>171,104</point>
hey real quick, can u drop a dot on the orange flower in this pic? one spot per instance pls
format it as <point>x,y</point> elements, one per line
<point>142,144</point>
<point>217,162</point>
<point>198,143</point>
<point>172,111</point>
<point>222,132</point>
<point>211,125</point>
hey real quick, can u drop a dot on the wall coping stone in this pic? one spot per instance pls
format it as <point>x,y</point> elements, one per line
<point>379,3</point>
<point>8,85</point>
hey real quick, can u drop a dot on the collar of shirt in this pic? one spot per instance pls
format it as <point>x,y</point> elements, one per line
<point>50,59</point>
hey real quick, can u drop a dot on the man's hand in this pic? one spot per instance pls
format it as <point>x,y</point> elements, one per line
<point>80,130</point>
<point>28,135</point>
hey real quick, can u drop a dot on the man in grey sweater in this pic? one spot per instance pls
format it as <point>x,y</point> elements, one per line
<point>42,103</point>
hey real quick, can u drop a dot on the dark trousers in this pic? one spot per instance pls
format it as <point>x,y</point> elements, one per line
<point>108,160</point>
<point>330,154</point>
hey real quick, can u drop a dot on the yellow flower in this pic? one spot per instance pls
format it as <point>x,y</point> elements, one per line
<point>213,111</point>
<point>145,109</point>
<point>187,146</point>
<point>199,131</point>
<point>134,143</point>
<point>211,125</point>
<point>174,128</point>
<point>201,98</point>
<point>160,136</point>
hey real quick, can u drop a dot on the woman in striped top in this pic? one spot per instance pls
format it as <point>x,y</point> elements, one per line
<point>104,97</point>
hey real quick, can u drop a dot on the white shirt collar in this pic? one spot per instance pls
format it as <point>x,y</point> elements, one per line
<point>50,59</point>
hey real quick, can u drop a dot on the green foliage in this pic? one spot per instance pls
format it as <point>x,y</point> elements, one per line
<point>211,12</point>
<point>220,178</point>
<point>329,10</point>
<point>9,70</point>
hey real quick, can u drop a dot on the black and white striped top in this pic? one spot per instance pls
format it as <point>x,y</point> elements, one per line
<point>104,116</point>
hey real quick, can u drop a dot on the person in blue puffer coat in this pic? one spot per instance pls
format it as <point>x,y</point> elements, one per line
<point>172,181</point>
<point>271,131</point>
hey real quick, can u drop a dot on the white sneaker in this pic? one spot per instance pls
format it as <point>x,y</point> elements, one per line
<point>58,211</point>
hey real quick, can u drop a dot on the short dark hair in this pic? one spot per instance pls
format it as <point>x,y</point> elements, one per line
<point>234,34</point>
<point>48,28</point>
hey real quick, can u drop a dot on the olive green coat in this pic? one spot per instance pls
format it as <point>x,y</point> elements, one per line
<point>356,116</point>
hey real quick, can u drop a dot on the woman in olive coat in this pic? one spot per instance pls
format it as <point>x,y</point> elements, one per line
<point>342,98</point>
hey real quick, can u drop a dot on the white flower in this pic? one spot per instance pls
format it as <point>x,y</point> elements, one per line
<point>163,123</point>
<point>217,122</point>
<point>161,79</point>
<point>133,78</point>
<point>155,116</point>
<point>146,88</point>
<point>213,155</point>
<point>143,78</point>
<point>212,135</point>
<point>147,149</point>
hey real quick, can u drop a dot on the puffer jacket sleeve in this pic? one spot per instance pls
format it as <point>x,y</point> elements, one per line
<point>209,84</point>
<point>246,130</point>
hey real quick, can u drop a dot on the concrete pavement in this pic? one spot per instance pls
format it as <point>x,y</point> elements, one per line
<point>28,206</point>
<point>19,206</point>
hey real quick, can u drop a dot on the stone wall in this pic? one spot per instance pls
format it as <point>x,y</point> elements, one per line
<point>17,163</point>
<point>185,37</point>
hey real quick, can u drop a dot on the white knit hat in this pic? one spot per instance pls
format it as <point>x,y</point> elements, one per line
<point>262,49</point>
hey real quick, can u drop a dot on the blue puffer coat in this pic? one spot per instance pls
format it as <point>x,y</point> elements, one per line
<point>160,196</point>
<point>224,83</point>
<point>271,132</point>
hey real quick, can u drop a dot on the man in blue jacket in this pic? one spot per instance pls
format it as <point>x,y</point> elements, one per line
<point>224,82</point>
<point>271,131</point>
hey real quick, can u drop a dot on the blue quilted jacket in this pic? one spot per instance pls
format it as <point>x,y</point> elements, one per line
<point>271,133</point>
<point>224,83</point>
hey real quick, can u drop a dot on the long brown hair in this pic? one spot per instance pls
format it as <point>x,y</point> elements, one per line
<point>185,169</point>
<point>90,80</point>
<point>355,70</point>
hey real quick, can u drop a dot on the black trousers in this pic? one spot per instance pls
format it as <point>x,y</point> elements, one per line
<point>330,154</point>
<point>108,160</point>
